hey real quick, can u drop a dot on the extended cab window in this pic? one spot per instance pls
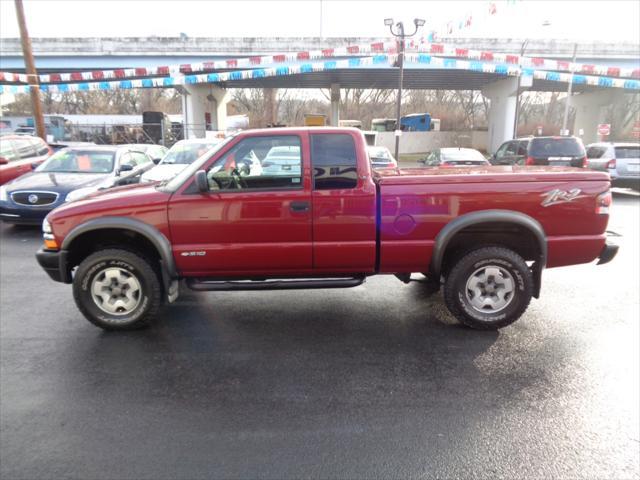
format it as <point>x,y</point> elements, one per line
<point>333,157</point>
<point>272,162</point>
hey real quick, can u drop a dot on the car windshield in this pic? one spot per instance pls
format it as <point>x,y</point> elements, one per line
<point>186,153</point>
<point>462,155</point>
<point>556,147</point>
<point>79,161</point>
<point>379,154</point>
<point>628,152</point>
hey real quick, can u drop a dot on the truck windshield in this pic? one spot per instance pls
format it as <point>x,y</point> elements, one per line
<point>79,161</point>
<point>175,183</point>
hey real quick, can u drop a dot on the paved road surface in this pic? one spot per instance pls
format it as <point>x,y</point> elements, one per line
<point>371,382</point>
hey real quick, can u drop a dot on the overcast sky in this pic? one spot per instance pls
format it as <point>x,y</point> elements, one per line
<point>588,19</point>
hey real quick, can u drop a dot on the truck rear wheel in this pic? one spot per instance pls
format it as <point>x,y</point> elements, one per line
<point>488,288</point>
<point>117,290</point>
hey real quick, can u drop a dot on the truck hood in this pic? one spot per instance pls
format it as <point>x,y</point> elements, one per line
<point>507,173</point>
<point>128,200</point>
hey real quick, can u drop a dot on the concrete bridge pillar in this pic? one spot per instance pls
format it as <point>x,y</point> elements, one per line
<point>502,111</point>
<point>204,108</point>
<point>590,111</point>
<point>335,105</point>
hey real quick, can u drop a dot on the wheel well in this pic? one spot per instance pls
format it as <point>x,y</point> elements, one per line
<point>509,235</point>
<point>92,241</point>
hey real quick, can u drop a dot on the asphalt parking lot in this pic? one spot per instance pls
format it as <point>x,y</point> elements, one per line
<point>372,382</point>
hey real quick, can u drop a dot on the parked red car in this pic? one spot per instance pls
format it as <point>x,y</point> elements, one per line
<point>224,223</point>
<point>18,154</point>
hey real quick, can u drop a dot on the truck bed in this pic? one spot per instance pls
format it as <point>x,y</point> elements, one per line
<point>411,218</point>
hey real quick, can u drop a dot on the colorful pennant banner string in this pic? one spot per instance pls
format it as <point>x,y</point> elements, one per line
<point>327,65</point>
<point>439,49</point>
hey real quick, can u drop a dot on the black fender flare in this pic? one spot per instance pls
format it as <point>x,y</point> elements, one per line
<point>151,233</point>
<point>450,230</point>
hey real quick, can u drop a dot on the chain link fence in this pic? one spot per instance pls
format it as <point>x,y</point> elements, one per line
<point>152,133</point>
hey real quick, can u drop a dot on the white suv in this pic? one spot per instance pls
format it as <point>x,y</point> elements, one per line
<point>621,160</point>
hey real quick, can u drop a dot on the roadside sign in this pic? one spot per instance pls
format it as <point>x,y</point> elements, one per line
<point>604,129</point>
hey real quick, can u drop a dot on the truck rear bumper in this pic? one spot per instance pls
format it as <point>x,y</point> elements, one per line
<point>608,252</point>
<point>55,264</point>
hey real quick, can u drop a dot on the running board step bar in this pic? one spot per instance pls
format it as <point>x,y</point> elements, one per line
<point>202,284</point>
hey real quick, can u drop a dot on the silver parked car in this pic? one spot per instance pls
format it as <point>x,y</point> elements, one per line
<point>621,160</point>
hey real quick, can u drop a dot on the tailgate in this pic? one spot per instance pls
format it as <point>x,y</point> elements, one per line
<point>628,160</point>
<point>628,166</point>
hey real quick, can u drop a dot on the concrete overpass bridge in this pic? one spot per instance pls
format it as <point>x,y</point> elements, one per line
<point>209,97</point>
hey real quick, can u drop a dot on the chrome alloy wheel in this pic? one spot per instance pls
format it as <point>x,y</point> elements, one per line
<point>490,289</point>
<point>116,291</point>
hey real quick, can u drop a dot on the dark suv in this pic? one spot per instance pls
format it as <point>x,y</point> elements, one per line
<point>557,151</point>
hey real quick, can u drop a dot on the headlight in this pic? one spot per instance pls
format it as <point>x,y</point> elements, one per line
<point>3,194</point>
<point>79,193</point>
<point>50,242</point>
<point>46,226</point>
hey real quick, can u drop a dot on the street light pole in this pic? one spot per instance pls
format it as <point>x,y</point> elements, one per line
<point>517,113</point>
<point>32,75</point>
<point>567,102</point>
<point>401,78</point>
<point>400,33</point>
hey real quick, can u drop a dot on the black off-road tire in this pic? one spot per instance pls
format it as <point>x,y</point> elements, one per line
<point>455,287</point>
<point>149,299</point>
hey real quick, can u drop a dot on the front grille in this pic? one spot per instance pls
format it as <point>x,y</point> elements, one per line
<point>34,199</point>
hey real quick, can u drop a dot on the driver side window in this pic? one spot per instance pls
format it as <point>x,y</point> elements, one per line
<point>432,159</point>
<point>271,162</point>
<point>502,150</point>
<point>127,159</point>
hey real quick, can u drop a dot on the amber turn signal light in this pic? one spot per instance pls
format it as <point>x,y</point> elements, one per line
<point>50,244</point>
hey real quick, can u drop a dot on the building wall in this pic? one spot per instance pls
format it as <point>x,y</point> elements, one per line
<point>422,142</point>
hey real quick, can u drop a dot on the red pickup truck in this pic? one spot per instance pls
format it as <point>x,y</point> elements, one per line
<point>300,208</point>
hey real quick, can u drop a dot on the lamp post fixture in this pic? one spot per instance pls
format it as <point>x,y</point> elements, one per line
<point>401,35</point>
<point>567,103</point>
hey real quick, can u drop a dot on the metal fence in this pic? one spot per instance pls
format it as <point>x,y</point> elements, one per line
<point>111,134</point>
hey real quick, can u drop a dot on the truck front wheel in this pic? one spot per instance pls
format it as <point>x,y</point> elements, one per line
<point>488,288</point>
<point>117,290</point>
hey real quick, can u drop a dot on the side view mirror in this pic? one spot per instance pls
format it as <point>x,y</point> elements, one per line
<point>34,165</point>
<point>3,161</point>
<point>156,160</point>
<point>125,167</point>
<point>201,181</point>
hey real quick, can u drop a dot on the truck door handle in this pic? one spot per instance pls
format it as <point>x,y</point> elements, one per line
<point>299,206</point>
